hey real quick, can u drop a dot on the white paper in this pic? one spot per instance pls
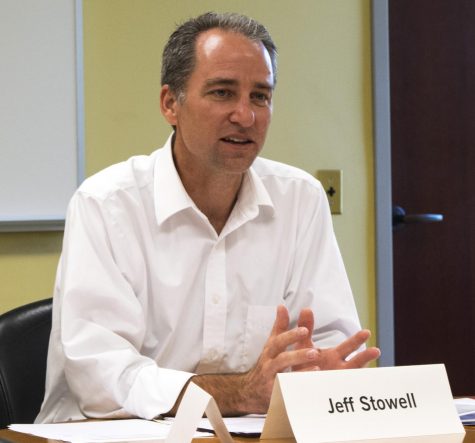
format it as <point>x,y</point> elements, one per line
<point>466,410</point>
<point>100,431</point>
<point>464,405</point>
<point>193,405</point>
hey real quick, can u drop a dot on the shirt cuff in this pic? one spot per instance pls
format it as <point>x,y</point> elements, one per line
<point>155,391</point>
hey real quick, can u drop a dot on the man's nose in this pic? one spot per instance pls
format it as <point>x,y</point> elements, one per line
<point>243,113</point>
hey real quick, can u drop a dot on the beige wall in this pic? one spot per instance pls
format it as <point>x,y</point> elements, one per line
<point>322,115</point>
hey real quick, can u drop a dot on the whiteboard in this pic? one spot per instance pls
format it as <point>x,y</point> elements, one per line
<point>41,112</point>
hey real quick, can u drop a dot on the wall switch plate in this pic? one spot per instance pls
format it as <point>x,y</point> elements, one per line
<point>331,179</point>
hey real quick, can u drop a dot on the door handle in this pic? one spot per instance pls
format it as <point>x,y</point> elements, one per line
<point>400,218</point>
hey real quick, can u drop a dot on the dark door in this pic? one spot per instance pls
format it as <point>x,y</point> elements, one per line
<point>432,71</point>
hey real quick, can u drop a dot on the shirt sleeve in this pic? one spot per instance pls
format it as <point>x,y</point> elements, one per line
<point>103,324</point>
<point>318,278</point>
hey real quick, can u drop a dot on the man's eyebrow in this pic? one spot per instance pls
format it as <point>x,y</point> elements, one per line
<point>217,81</point>
<point>220,81</point>
<point>267,86</point>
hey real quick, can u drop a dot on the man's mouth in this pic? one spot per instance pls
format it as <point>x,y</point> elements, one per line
<point>237,140</point>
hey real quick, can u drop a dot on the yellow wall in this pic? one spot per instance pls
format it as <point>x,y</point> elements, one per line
<point>322,115</point>
<point>27,266</point>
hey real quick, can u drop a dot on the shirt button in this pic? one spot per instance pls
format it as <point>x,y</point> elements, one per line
<point>216,299</point>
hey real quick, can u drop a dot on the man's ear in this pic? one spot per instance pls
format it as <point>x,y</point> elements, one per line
<point>168,105</point>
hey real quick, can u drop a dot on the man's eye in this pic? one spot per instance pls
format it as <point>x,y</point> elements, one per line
<point>221,93</point>
<point>260,97</point>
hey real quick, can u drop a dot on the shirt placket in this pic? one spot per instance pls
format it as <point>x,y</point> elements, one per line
<point>214,325</point>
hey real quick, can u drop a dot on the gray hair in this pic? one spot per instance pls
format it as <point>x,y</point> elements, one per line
<point>179,54</point>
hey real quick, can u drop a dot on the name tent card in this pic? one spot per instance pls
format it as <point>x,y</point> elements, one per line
<point>362,404</point>
<point>194,404</point>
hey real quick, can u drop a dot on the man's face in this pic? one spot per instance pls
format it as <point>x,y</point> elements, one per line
<point>221,123</point>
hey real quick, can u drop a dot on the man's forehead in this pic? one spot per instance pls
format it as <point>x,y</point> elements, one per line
<point>217,50</point>
<point>209,42</point>
<point>226,43</point>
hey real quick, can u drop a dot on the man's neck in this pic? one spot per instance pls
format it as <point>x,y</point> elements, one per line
<point>216,201</point>
<point>214,194</point>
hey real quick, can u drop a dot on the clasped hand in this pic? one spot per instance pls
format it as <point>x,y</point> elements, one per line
<point>292,349</point>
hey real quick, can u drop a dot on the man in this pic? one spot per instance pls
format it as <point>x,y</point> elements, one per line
<point>200,258</point>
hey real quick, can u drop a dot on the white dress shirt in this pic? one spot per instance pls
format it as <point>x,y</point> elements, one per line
<point>147,293</point>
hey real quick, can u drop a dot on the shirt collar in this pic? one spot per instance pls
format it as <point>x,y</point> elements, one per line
<point>169,193</point>
<point>171,197</point>
<point>253,195</point>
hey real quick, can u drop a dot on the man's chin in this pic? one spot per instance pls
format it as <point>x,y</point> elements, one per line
<point>239,163</point>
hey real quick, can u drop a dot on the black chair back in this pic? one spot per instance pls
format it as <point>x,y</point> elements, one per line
<point>24,337</point>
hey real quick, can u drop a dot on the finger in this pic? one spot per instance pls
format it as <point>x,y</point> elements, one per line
<point>279,343</point>
<point>281,323</point>
<point>363,358</point>
<point>306,320</point>
<point>295,358</point>
<point>312,366</point>
<point>309,369</point>
<point>353,343</point>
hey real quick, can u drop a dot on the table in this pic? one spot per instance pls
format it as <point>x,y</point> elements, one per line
<point>16,437</point>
